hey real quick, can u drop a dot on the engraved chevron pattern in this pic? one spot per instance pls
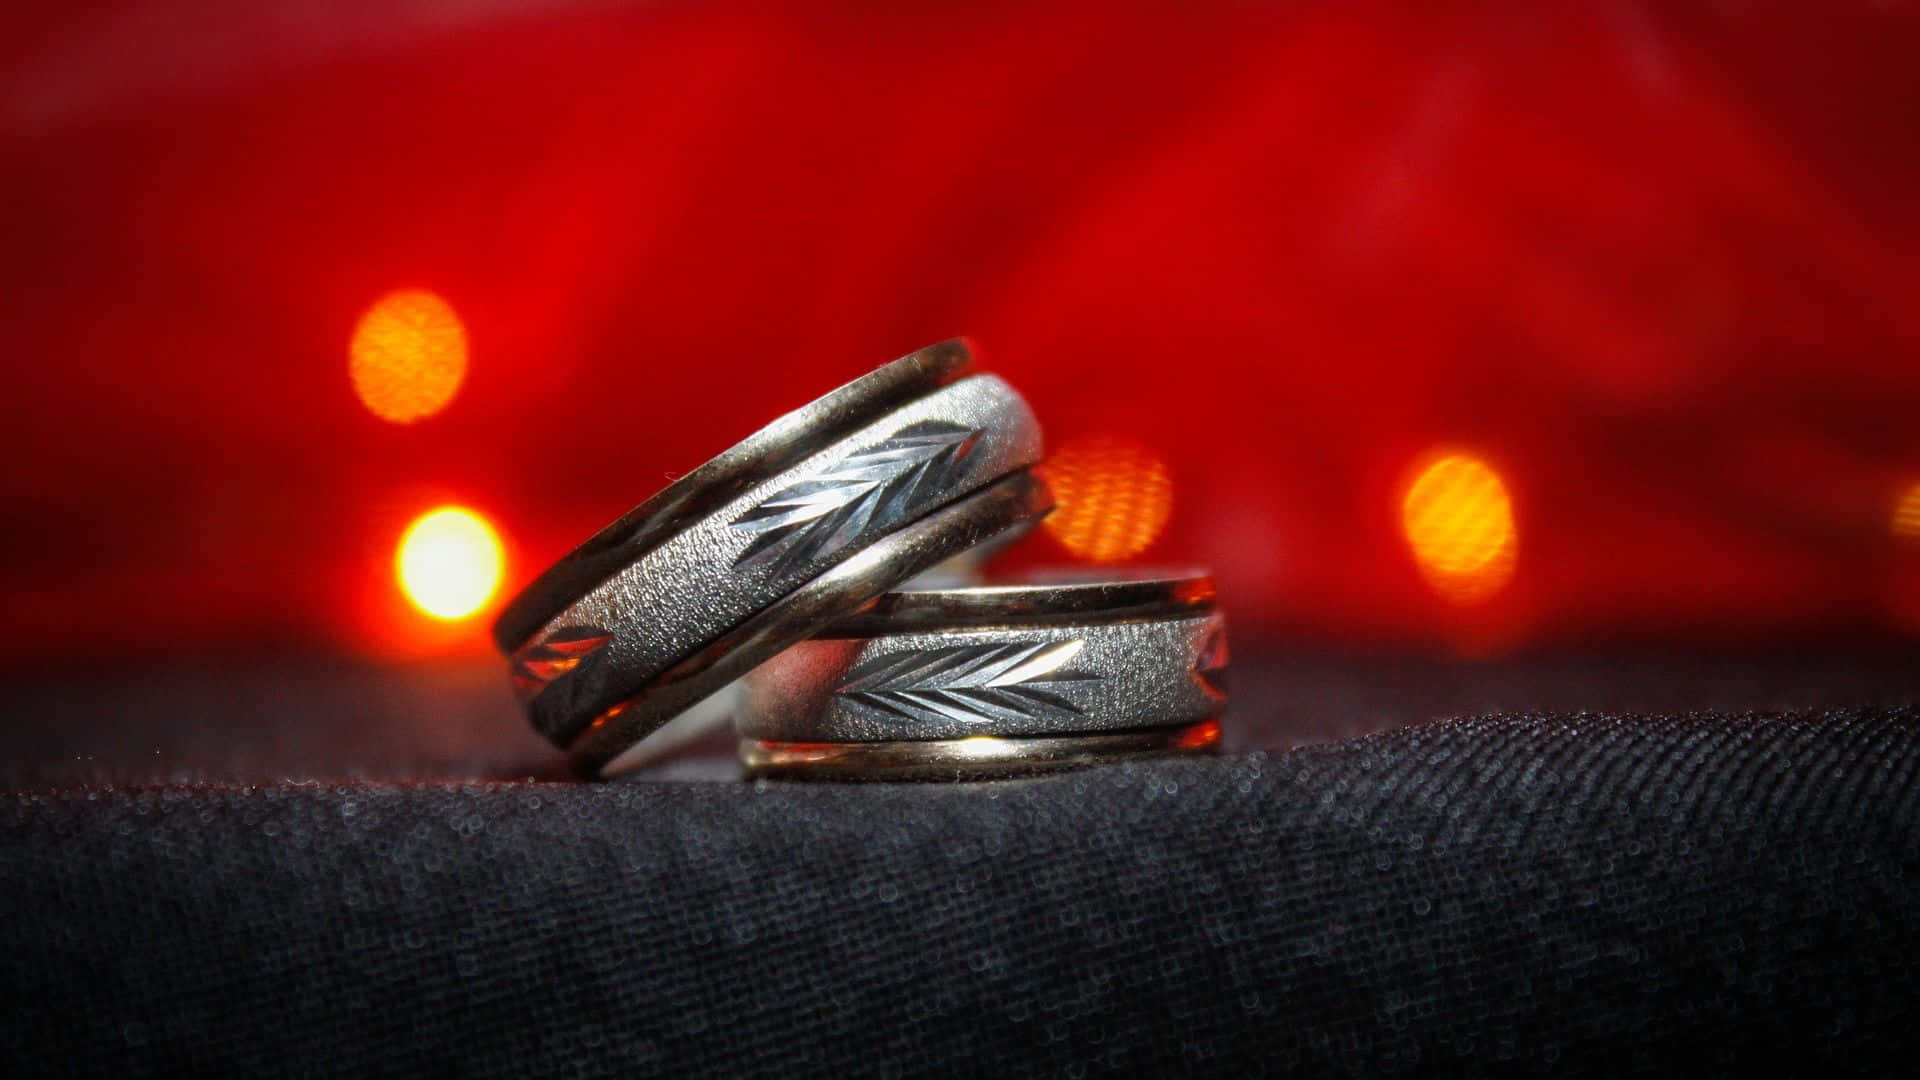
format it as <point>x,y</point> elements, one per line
<point>878,487</point>
<point>543,661</point>
<point>1210,667</point>
<point>969,684</point>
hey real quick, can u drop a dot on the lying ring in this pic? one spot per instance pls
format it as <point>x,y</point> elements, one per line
<point>986,681</point>
<point>803,522</point>
<point>977,757</point>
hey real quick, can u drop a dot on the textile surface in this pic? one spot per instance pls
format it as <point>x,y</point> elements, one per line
<point>1583,892</point>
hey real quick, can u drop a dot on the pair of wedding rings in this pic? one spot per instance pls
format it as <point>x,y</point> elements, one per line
<point>777,561</point>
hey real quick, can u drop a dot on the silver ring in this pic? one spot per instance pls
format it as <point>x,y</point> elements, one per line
<point>767,543</point>
<point>1022,675</point>
<point>978,757</point>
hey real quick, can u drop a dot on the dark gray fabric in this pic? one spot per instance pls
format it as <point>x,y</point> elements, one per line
<point>1589,894</point>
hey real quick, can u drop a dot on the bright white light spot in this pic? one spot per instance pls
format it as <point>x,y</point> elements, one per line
<point>449,563</point>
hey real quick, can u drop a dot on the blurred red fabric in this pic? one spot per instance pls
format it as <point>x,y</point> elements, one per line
<point>1653,261</point>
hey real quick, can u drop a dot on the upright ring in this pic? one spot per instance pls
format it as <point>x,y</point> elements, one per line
<point>986,681</point>
<point>800,524</point>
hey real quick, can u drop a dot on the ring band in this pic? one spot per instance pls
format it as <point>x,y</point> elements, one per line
<point>1015,502</point>
<point>1042,672</point>
<point>768,542</point>
<point>976,757</point>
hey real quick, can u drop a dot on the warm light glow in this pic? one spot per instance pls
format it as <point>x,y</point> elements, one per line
<point>1112,498</point>
<point>449,563</point>
<point>1458,520</point>
<point>1204,734</point>
<point>1906,514</point>
<point>408,355</point>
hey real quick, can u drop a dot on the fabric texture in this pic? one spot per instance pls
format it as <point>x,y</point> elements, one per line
<point>1591,894</point>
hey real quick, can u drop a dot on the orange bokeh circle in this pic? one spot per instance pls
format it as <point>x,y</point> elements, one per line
<point>1112,498</point>
<point>1457,518</point>
<point>407,356</point>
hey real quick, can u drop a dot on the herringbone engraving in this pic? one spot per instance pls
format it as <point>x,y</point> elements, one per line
<point>876,488</point>
<point>970,684</point>
<point>545,660</point>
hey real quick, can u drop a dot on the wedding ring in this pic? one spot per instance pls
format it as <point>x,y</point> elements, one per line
<point>993,680</point>
<point>800,524</point>
<point>977,757</point>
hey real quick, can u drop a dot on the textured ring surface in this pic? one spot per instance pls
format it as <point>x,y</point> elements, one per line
<point>779,446</point>
<point>692,565</point>
<point>1012,503</point>
<point>1078,659</point>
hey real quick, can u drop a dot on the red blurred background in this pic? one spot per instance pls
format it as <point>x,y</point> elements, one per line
<point>1649,266</point>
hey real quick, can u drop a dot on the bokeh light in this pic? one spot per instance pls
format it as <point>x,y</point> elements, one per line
<point>1112,498</point>
<point>449,562</point>
<point>1458,521</point>
<point>408,355</point>
<point>1906,514</point>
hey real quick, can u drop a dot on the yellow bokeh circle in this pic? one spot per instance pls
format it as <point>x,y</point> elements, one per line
<point>449,562</point>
